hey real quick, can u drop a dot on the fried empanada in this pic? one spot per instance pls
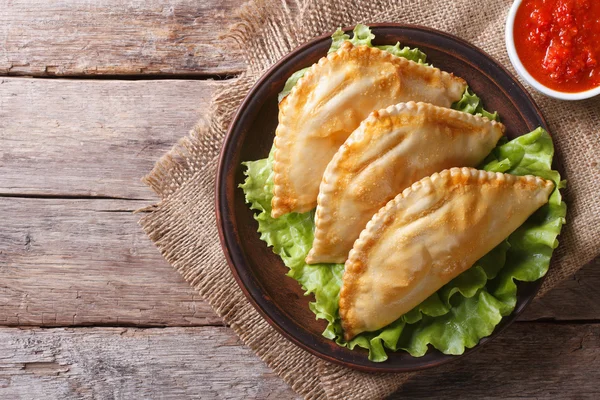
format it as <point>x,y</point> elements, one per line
<point>426,236</point>
<point>329,102</point>
<point>392,149</point>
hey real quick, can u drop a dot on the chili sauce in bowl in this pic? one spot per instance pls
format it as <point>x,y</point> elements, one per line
<point>555,46</point>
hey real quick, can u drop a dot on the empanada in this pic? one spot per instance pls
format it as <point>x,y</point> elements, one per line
<point>426,236</point>
<point>390,150</point>
<point>329,102</point>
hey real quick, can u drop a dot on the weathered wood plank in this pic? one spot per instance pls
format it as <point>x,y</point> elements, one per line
<point>175,363</point>
<point>577,298</point>
<point>71,38</point>
<point>87,262</point>
<point>92,137</point>
<point>530,360</point>
<point>83,262</point>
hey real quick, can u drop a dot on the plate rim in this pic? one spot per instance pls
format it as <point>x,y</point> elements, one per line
<point>221,175</point>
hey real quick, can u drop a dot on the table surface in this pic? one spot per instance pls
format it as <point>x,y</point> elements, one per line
<point>91,95</point>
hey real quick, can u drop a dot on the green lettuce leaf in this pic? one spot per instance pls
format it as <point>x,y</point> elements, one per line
<point>290,83</point>
<point>462,312</point>
<point>361,36</point>
<point>471,103</point>
<point>291,237</point>
<point>470,306</point>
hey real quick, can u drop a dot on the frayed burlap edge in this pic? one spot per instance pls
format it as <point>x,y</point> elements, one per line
<point>182,224</point>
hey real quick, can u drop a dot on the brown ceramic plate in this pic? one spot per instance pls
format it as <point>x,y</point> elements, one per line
<point>259,272</point>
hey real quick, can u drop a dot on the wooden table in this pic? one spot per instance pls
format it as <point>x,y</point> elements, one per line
<point>91,95</point>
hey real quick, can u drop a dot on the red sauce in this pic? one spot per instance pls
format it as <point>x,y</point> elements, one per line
<point>558,42</point>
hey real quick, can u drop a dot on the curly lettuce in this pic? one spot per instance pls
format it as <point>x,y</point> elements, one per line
<point>466,309</point>
<point>471,103</point>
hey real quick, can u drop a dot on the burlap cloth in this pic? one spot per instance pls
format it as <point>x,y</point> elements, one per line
<point>183,226</point>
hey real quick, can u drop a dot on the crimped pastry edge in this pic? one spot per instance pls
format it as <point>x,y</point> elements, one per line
<point>282,201</point>
<point>327,186</point>
<point>379,222</point>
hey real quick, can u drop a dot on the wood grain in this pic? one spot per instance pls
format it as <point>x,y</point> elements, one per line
<point>92,137</point>
<point>209,363</point>
<point>87,262</point>
<point>577,298</point>
<point>528,361</point>
<point>114,37</point>
<point>113,363</point>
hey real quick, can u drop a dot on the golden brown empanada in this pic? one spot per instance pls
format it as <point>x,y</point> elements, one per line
<point>329,102</point>
<point>390,150</point>
<point>426,236</point>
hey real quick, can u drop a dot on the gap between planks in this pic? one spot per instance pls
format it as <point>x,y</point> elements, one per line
<point>127,78</point>
<point>69,196</point>
<point>132,77</point>
<point>546,321</point>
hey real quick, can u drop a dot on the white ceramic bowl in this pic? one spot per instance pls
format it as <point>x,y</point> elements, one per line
<point>516,62</point>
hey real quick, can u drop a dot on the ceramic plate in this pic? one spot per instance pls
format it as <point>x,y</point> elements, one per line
<point>259,272</point>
